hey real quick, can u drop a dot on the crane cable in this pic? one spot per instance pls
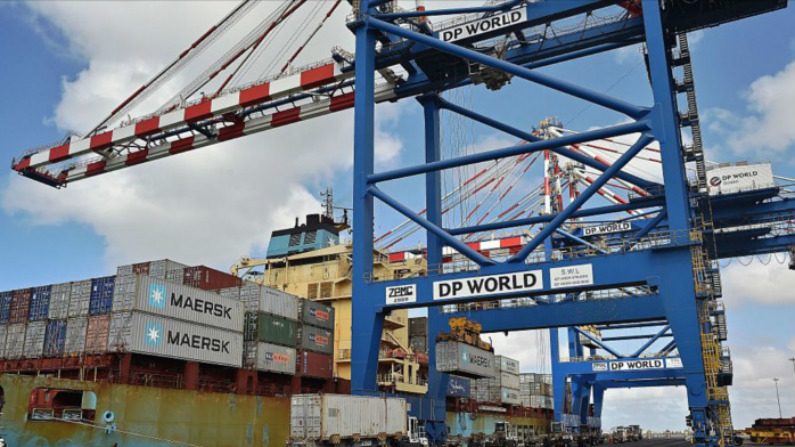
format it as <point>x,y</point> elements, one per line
<point>188,54</point>
<point>251,50</point>
<point>309,39</point>
<point>271,21</point>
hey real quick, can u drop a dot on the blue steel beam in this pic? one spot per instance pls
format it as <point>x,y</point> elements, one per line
<point>561,217</point>
<point>597,341</point>
<point>651,341</point>
<point>560,149</point>
<point>367,322</point>
<point>606,101</point>
<point>607,132</point>
<point>588,212</point>
<point>565,314</point>
<point>437,231</point>
<point>609,272</point>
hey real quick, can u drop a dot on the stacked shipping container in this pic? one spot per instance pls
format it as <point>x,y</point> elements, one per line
<point>418,334</point>
<point>503,387</point>
<point>164,308</point>
<point>536,390</point>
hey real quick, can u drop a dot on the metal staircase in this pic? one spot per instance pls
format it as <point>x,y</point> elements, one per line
<point>708,286</point>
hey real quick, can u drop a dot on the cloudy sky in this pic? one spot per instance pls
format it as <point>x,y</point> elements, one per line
<point>66,64</point>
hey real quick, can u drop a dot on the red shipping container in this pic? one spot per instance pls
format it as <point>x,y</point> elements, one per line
<point>315,364</point>
<point>141,268</point>
<point>97,334</point>
<point>20,306</point>
<point>205,278</point>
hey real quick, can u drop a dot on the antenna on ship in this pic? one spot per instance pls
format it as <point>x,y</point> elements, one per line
<point>329,207</point>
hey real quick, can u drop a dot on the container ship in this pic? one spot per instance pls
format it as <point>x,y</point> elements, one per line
<point>163,353</point>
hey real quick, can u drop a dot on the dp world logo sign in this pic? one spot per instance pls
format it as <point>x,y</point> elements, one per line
<point>153,335</point>
<point>157,295</point>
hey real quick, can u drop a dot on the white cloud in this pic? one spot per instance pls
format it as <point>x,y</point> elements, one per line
<point>757,283</point>
<point>210,206</point>
<point>767,126</point>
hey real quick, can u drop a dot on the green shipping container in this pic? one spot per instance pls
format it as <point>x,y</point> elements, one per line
<point>277,330</point>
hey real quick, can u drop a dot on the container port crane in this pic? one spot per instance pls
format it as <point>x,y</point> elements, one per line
<point>662,271</point>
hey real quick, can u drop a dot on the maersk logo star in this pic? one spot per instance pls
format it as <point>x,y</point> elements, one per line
<point>157,295</point>
<point>153,334</point>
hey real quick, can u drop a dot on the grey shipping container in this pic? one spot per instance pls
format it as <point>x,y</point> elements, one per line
<point>155,269</point>
<point>249,295</point>
<point>75,336</point>
<point>34,339</point>
<point>80,298</point>
<point>323,416</point>
<point>175,276</point>
<point>464,360</point>
<point>317,314</point>
<point>15,341</point>
<point>418,326</point>
<point>59,301</point>
<point>274,358</point>
<point>317,339</point>
<point>3,332</point>
<point>535,378</point>
<point>231,293</point>
<point>249,353</point>
<point>418,343</point>
<point>507,364</point>
<point>153,335</point>
<point>155,296</point>
<point>502,379</point>
<point>279,303</point>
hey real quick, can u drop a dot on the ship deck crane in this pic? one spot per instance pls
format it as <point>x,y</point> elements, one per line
<point>400,54</point>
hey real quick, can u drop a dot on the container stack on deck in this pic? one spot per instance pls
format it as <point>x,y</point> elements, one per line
<point>503,387</point>
<point>535,390</point>
<point>172,320</point>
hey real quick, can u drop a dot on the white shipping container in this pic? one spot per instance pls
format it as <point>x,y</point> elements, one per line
<point>509,396</point>
<point>3,332</point>
<point>155,296</point>
<point>59,301</point>
<point>149,334</point>
<point>279,303</point>
<point>249,295</point>
<point>75,335</point>
<point>739,177</point>
<point>15,341</point>
<point>509,380</point>
<point>275,358</point>
<point>507,364</point>
<point>321,416</point>
<point>79,298</point>
<point>34,339</point>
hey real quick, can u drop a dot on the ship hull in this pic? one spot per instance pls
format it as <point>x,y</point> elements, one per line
<point>146,416</point>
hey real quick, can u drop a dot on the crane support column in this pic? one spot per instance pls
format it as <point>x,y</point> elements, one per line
<point>367,324</point>
<point>680,302</point>
<point>437,382</point>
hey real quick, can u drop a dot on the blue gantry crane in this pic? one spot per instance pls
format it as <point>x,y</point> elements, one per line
<point>660,271</point>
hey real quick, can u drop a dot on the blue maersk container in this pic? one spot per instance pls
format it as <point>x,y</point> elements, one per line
<point>458,386</point>
<point>55,338</point>
<point>5,306</point>
<point>101,299</point>
<point>39,303</point>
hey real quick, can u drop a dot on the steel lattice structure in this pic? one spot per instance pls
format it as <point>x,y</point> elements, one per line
<point>659,272</point>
